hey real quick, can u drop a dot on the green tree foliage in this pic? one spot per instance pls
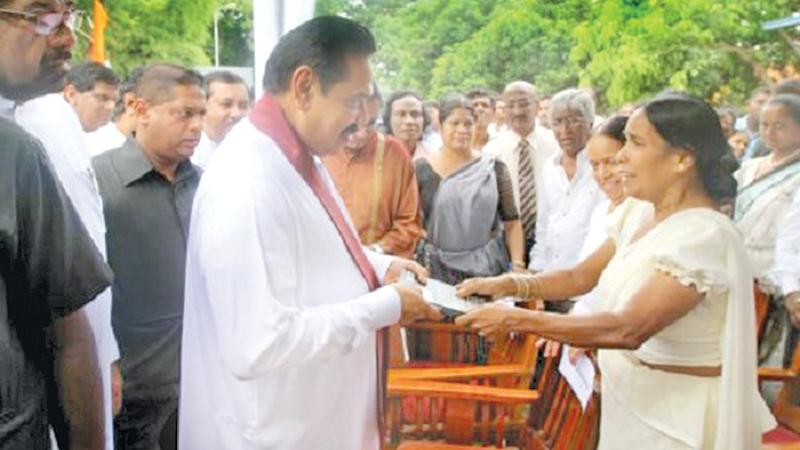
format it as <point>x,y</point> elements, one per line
<point>624,49</point>
<point>143,31</point>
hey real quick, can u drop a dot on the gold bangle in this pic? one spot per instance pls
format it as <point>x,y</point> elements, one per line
<point>527,287</point>
<point>517,286</point>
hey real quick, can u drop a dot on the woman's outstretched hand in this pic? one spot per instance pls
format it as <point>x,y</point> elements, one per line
<point>487,287</point>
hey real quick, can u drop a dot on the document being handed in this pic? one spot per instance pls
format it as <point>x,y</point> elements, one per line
<point>444,297</point>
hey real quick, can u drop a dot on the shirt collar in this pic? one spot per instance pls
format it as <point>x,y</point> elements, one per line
<point>134,165</point>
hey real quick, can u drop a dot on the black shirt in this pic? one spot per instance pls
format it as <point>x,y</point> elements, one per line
<point>49,268</point>
<point>147,226</point>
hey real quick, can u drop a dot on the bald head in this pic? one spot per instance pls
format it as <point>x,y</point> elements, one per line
<point>522,107</point>
<point>520,86</point>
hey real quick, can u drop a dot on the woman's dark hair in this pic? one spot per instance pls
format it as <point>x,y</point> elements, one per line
<point>689,123</point>
<point>614,127</point>
<point>387,111</point>
<point>789,101</point>
<point>452,102</point>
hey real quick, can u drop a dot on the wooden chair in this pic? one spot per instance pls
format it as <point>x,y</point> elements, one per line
<point>510,363</point>
<point>465,413</point>
<point>786,408</point>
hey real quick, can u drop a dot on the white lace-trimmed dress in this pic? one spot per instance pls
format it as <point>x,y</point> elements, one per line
<point>654,409</point>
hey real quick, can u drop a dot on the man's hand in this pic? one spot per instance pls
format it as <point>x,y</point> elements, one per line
<point>414,307</point>
<point>792,302</point>
<point>399,265</point>
<point>116,388</point>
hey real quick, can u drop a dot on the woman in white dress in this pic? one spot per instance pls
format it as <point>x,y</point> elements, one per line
<point>674,314</point>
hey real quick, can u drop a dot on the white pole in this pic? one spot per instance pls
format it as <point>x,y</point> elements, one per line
<point>216,38</point>
<point>271,20</point>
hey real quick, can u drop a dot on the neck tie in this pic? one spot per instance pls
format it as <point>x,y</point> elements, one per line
<point>268,117</point>
<point>527,188</point>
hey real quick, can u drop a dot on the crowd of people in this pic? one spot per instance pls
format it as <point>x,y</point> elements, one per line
<point>185,267</point>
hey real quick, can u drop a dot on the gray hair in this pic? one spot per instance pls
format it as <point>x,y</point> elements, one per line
<point>575,100</point>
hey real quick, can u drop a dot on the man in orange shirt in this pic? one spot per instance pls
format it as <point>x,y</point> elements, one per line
<point>375,177</point>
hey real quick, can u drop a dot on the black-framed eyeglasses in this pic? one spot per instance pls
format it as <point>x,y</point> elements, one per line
<point>46,23</point>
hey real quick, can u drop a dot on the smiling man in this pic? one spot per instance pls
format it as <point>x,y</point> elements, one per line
<point>283,345</point>
<point>148,186</point>
<point>228,101</point>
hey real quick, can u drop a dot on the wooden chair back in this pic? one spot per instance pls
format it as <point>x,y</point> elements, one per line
<point>469,415</point>
<point>557,421</point>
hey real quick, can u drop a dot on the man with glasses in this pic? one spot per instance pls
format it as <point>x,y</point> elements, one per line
<point>49,266</point>
<point>375,177</point>
<point>523,147</point>
<point>568,192</point>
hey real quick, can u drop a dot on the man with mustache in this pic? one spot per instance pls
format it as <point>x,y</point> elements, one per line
<point>568,192</point>
<point>227,102</point>
<point>49,267</point>
<point>374,176</point>
<point>148,186</point>
<point>523,147</point>
<point>284,329</point>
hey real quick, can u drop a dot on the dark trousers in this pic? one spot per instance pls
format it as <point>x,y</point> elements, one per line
<point>147,424</point>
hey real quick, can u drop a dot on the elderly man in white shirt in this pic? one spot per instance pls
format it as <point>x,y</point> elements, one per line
<point>59,121</point>
<point>524,148</point>
<point>568,192</point>
<point>284,324</point>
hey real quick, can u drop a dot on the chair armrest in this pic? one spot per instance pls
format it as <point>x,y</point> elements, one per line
<point>775,374</point>
<point>457,391</point>
<point>460,373</point>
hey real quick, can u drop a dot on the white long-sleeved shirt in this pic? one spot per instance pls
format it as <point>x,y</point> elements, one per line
<point>204,150</point>
<point>564,210</point>
<point>786,271</point>
<point>105,138</point>
<point>279,325</point>
<point>53,121</point>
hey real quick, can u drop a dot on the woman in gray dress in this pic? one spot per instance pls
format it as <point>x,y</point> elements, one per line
<point>470,216</point>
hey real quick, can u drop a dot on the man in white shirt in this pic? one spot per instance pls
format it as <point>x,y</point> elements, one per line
<point>523,147</point>
<point>284,317</point>
<point>568,193</point>
<point>227,102</point>
<point>59,121</point>
<point>123,119</point>
<point>91,90</point>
